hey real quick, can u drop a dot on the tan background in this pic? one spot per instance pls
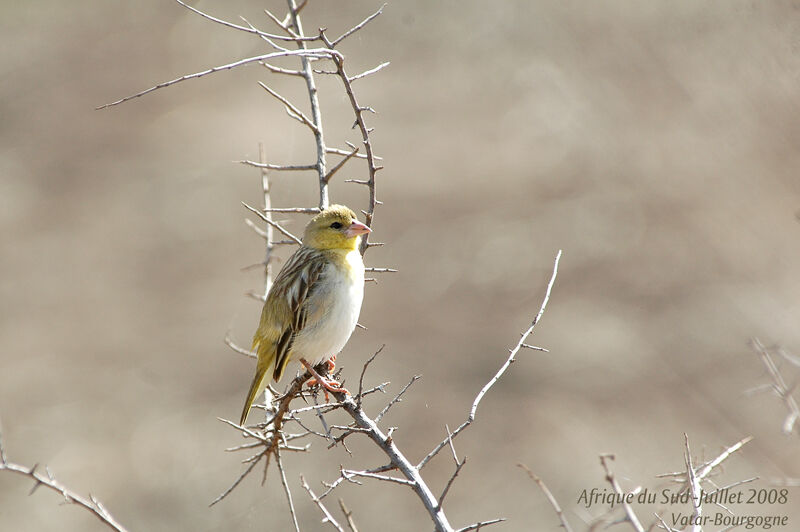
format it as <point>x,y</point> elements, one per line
<point>655,143</point>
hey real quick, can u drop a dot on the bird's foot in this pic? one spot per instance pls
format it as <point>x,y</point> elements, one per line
<point>328,385</point>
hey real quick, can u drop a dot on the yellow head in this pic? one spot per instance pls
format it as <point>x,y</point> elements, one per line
<point>334,228</point>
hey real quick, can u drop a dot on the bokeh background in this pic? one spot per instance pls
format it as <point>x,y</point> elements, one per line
<point>655,143</point>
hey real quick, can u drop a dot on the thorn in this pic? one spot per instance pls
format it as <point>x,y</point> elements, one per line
<point>35,487</point>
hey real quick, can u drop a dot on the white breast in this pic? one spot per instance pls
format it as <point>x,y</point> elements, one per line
<point>333,312</point>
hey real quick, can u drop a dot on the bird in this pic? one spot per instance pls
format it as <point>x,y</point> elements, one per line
<point>313,306</point>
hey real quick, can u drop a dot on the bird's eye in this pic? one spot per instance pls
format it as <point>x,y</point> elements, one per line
<point>336,225</point>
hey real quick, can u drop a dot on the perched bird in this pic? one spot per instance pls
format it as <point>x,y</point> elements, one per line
<point>313,305</point>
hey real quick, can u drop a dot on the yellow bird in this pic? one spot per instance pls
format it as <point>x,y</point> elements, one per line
<point>313,306</point>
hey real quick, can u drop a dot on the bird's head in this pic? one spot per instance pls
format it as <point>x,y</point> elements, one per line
<point>334,228</point>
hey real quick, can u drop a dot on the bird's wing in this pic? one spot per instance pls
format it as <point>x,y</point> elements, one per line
<point>294,286</point>
<point>285,314</point>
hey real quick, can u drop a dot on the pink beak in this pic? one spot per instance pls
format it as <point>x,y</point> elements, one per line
<point>357,228</point>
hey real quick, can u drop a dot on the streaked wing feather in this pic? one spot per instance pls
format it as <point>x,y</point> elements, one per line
<point>281,358</point>
<point>297,281</point>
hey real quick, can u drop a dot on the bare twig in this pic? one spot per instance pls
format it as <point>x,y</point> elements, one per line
<point>358,26</point>
<point>385,478</point>
<point>519,345</point>
<point>337,151</point>
<point>260,232</point>
<point>370,71</point>
<point>281,167</point>
<point>397,398</point>
<point>779,386</point>
<point>242,28</point>
<point>242,351</point>
<point>500,372</point>
<point>236,482</point>
<point>286,489</point>
<point>294,110</point>
<point>282,24</point>
<point>300,210</point>
<point>341,163</point>
<point>274,224</point>
<point>70,497</point>
<point>270,245</point>
<point>451,480</point>
<point>328,517</point>
<point>664,525</point>
<point>279,70</point>
<point>550,497</point>
<point>629,513</point>
<point>363,371</point>
<point>705,470</point>
<point>316,114</point>
<point>348,515</point>
<point>317,53</point>
<point>694,487</point>
<point>481,524</point>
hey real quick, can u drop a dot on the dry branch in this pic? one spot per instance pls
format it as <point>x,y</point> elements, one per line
<point>91,504</point>
<point>348,515</point>
<point>316,114</point>
<point>630,515</point>
<point>778,385</point>
<point>551,499</point>
<point>328,517</point>
<point>500,372</point>
<point>249,29</point>
<point>316,53</point>
<point>274,224</point>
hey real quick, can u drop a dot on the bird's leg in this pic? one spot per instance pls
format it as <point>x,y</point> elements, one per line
<point>331,362</point>
<point>328,385</point>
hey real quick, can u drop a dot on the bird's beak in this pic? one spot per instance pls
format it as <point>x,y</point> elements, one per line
<point>357,228</point>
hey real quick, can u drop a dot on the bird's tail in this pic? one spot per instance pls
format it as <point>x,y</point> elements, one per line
<point>255,387</point>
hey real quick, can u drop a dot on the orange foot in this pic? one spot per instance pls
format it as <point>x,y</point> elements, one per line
<point>328,385</point>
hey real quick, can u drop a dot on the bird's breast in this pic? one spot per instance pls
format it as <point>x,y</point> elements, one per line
<point>337,304</point>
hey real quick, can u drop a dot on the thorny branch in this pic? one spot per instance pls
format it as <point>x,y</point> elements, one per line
<point>550,498</point>
<point>630,515</point>
<point>500,372</point>
<point>348,515</point>
<point>778,385</point>
<point>92,504</point>
<point>316,53</point>
<point>328,517</point>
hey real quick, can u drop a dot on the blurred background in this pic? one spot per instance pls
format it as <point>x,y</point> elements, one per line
<point>655,143</point>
